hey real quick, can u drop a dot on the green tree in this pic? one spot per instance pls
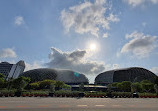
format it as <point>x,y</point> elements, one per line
<point>67,87</point>
<point>45,84</point>
<point>147,86</point>
<point>136,87</point>
<point>145,81</point>
<point>119,86</point>
<point>126,86</point>
<point>52,88</point>
<point>9,83</point>
<point>34,85</point>
<point>20,83</point>
<point>114,84</point>
<point>2,75</point>
<point>1,82</point>
<point>59,84</point>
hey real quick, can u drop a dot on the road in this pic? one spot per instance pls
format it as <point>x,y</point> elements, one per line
<point>75,104</point>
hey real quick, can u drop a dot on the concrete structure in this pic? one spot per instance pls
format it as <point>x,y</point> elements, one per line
<point>67,76</point>
<point>133,74</point>
<point>12,70</point>
<point>90,87</point>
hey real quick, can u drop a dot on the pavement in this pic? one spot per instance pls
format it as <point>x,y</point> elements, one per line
<point>77,104</point>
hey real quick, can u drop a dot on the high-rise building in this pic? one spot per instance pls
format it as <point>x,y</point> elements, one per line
<point>12,70</point>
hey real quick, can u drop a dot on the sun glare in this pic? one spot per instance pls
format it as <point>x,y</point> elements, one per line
<point>93,47</point>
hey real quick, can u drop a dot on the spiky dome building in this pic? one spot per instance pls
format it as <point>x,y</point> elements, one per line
<point>133,74</point>
<point>67,76</point>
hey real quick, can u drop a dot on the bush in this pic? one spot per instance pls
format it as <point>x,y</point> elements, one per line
<point>121,94</point>
<point>147,94</point>
<point>95,94</point>
<point>5,91</point>
<point>33,93</point>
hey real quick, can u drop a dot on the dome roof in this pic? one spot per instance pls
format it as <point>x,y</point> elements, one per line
<point>71,77</point>
<point>133,74</point>
<point>40,74</point>
<point>66,76</point>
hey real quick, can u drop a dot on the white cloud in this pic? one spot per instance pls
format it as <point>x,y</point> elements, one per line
<point>154,70</point>
<point>105,35</point>
<point>75,60</point>
<point>35,65</point>
<point>19,20</point>
<point>116,66</point>
<point>88,17</point>
<point>134,34</point>
<point>140,45</point>
<point>113,18</point>
<point>135,3</point>
<point>7,53</point>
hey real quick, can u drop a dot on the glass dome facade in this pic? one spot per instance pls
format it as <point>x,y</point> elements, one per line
<point>133,74</point>
<point>66,76</point>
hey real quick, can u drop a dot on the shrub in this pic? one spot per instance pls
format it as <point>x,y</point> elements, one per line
<point>121,94</point>
<point>5,91</point>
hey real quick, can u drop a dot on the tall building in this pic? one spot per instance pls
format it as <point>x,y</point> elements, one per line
<point>12,70</point>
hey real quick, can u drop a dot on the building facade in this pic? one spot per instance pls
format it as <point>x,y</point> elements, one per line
<point>133,74</point>
<point>67,76</point>
<point>12,70</point>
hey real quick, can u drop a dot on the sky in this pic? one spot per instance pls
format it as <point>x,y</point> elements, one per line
<point>86,36</point>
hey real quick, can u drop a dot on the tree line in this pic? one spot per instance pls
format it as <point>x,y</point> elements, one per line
<point>143,86</point>
<point>21,83</point>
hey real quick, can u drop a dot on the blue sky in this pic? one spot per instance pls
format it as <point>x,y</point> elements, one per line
<point>86,36</point>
